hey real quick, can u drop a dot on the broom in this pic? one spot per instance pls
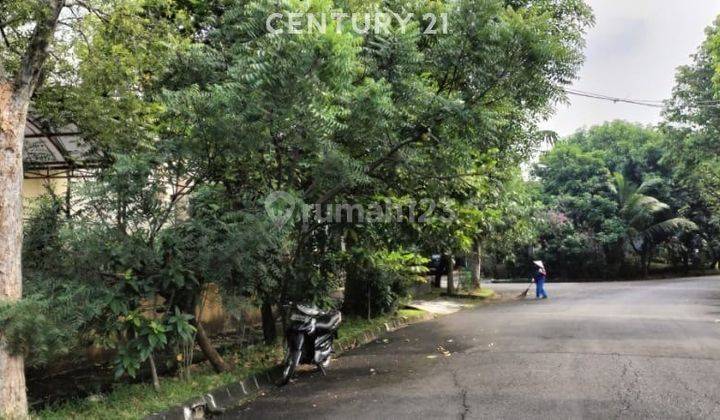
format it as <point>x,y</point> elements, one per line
<point>525,293</point>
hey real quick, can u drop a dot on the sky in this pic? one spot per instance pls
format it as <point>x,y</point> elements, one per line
<point>632,52</point>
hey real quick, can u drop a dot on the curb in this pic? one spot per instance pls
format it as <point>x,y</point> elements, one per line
<point>227,396</point>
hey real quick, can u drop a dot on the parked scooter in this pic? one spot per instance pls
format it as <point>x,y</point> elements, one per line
<point>309,338</point>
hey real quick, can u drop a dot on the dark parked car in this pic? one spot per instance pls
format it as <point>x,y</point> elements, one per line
<point>436,264</point>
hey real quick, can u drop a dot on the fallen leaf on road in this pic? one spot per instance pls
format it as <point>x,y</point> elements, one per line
<point>443,350</point>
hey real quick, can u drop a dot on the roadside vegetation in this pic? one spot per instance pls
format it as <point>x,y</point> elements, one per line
<point>622,198</point>
<point>131,401</point>
<point>210,137</point>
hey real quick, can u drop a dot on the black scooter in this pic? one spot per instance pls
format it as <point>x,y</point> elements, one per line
<point>309,338</point>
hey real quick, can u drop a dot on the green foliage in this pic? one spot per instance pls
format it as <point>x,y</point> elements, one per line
<point>57,314</point>
<point>54,319</point>
<point>197,114</point>
<point>346,117</point>
<point>41,233</point>
<point>602,187</point>
<point>138,400</point>
<point>572,253</point>
<point>691,128</point>
<point>104,76</point>
<point>376,281</point>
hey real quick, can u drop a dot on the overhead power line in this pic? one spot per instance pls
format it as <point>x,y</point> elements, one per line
<point>613,99</point>
<point>652,103</point>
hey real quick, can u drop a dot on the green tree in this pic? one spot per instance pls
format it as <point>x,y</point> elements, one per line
<point>346,117</point>
<point>692,126</point>
<point>590,178</point>
<point>105,64</point>
<point>647,220</point>
<point>22,63</point>
<point>199,114</point>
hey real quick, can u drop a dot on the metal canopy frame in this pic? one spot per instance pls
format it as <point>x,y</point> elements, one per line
<point>51,152</point>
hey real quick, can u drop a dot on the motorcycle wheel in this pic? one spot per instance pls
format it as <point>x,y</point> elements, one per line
<point>292,362</point>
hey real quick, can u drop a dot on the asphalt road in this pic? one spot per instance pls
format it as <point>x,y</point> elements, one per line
<point>598,350</point>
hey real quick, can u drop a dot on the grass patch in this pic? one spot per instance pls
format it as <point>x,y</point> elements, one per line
<point>483,293</point>
<point>354,328</point>
<point>135,401</point>
<point>434,293</point>
<point>477,294</point>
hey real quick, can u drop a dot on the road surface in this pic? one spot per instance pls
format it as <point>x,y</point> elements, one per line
<point>598,350</point>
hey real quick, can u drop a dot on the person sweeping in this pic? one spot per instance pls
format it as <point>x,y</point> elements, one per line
<point>539,277</point>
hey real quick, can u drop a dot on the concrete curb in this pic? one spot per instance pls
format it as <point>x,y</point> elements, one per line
<point>228,396</point>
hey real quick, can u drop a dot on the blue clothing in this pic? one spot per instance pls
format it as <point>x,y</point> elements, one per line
<point>540,285</point>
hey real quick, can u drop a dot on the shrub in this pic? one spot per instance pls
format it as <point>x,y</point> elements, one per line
<point>376,281</point>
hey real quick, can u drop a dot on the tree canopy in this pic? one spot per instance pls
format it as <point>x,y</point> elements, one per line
<point>201,115</point>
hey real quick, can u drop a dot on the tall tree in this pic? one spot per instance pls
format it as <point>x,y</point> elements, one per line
<point>607,214</point>
<point>16,90</point>
<point>355,118</point>
<point>647,219</point>
<point>692,128</point>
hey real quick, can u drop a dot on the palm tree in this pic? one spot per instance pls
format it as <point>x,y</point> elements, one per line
<point>648,221</point>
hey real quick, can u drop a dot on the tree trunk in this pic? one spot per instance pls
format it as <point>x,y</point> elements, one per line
<point>644,263</point>
<point>268,323</point>
<point>476,264</point>
<point>15,95</point>
<point>153,372</point>
<point>451,274</point>
<point>13,402</point>
<point>213,356</point>
<point>369,303</point>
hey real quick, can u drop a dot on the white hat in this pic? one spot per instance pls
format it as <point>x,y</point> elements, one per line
<point>539,264</point>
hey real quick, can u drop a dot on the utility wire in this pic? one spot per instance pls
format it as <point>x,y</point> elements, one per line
<point>656,101</point>
<point>613,99</point>
<point>652,103</point>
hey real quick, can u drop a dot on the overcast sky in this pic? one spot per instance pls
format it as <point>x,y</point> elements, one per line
<point>632,52</point>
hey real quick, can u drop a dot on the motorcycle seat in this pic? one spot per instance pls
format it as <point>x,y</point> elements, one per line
<point>309,310</point>
<point>328,321</point>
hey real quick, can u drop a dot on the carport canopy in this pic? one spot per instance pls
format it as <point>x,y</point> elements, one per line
<point>51,151</point>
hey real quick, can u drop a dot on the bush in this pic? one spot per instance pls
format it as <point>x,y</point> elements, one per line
<point>573,254</point>
<point>41,231</point>
<point>376,281</point>
<point>52,321</point>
